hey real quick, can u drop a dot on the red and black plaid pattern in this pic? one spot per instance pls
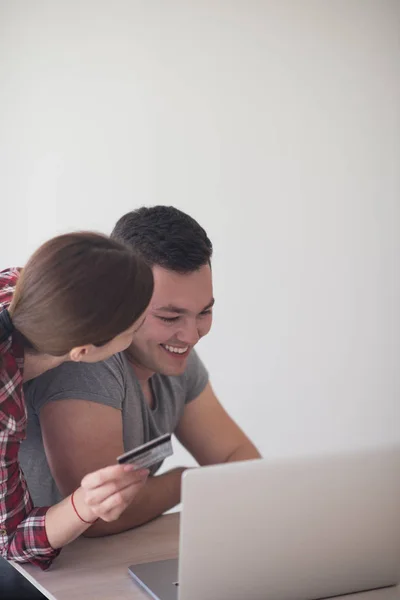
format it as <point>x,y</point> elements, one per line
<point>23,535</point>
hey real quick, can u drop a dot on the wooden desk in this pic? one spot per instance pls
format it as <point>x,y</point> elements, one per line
<point>97,569</point>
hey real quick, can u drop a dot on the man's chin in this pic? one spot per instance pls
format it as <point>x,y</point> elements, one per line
<point>172,365</point>
<point>171,370</point>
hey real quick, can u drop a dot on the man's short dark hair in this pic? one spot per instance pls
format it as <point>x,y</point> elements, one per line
<point>165,236</point>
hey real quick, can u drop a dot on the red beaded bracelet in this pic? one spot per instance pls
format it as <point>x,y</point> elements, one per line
<point>74,507</point>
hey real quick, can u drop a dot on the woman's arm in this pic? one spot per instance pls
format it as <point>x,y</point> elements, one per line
<point>104,494</point>
<point>36,535</point>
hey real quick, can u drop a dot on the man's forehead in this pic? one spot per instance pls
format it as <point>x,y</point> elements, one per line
<point>170,281</point>
<point>182,292</point>
<point>180,309</point>
<point>164,274</point>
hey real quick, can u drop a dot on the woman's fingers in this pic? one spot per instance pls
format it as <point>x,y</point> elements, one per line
<point>113,506</point>
<point>113,473</point>
<point>100,493</point>
<point>109,491</point>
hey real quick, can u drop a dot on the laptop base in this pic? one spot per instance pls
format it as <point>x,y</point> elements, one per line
<point>159,579</point>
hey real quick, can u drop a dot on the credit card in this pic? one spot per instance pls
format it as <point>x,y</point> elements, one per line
<point>148,454</point>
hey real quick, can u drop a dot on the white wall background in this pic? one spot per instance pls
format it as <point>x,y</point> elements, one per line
<point>277,125</point>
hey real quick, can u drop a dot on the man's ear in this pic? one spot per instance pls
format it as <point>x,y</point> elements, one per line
<point>80,353</point>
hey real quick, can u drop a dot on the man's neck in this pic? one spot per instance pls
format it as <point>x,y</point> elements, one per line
<point>142,373</point>
<point>36,364</point>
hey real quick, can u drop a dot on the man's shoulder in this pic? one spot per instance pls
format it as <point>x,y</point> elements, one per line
<point>194,366</point>
<point>192,381</point>
<point>113,365</point>
<point>90,381</point>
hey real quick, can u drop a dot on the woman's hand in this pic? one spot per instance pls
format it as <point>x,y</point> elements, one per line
<point>106,493</point>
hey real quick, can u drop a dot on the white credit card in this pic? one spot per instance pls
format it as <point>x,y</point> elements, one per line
<point>148,454</point>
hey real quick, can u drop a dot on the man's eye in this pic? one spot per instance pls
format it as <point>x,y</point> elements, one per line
<point>205,313</point>
<point>169,319</point>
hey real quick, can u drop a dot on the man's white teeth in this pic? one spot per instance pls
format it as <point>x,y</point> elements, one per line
<point>176,350</point>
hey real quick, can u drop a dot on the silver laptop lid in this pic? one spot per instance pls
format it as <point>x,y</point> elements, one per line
<point>296,529</point>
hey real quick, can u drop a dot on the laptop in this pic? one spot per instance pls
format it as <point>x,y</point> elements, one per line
<point>299,529</point>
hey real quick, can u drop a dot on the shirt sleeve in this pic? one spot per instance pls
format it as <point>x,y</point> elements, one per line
<point>196,377</point>
<point>23,536</point>
<point>101,382</point>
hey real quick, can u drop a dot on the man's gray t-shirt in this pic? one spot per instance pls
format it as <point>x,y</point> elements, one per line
<point>113,383</point>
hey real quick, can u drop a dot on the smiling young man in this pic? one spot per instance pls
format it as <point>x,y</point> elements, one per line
<point>81,417</point>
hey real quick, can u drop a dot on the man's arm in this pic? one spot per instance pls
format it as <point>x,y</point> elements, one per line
<point>81,436</point>
<point>210,434</point>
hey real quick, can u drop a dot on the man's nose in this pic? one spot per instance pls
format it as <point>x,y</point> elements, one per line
<point>190,333</point>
